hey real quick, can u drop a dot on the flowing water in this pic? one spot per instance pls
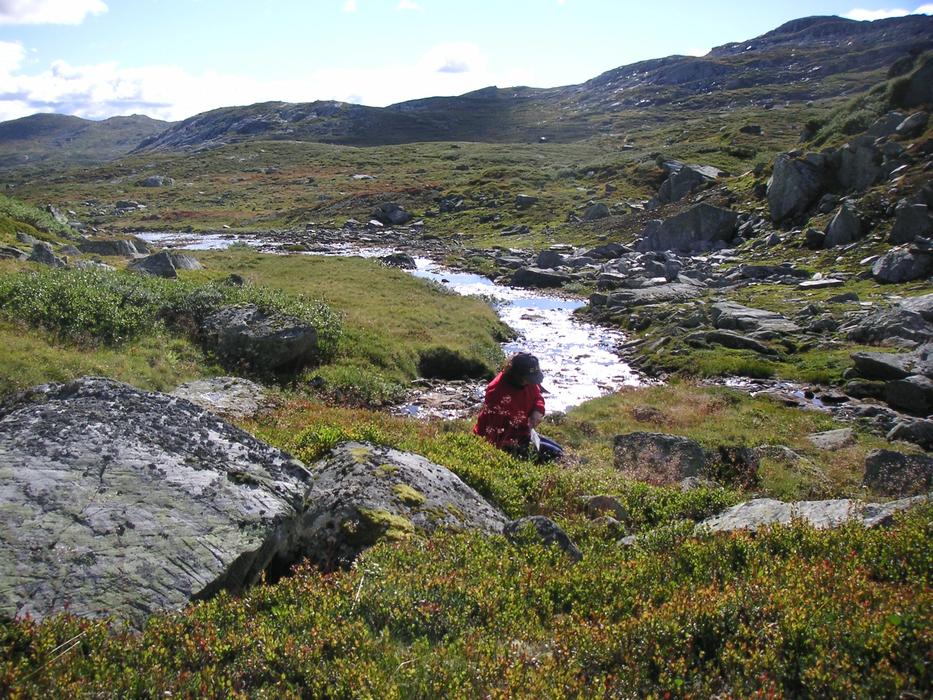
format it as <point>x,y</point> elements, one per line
<point>578,358</point>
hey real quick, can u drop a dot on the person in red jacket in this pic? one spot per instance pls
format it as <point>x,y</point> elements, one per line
<point>513,407</point>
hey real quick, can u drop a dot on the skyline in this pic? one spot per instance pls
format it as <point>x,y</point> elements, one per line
<point>171,59</point>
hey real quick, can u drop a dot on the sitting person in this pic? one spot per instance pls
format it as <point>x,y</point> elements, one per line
<point>514,407</point>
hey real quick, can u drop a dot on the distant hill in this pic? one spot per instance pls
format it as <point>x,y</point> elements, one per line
<point>57,139</point>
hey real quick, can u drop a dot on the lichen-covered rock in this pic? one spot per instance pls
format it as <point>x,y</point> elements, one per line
<point>897,474</point>
<point>120,501</point>
<point>363,493</point>
<point>658,458</point>
<point>764,512</point>
<point>226,396</point>
<point>245,335</point>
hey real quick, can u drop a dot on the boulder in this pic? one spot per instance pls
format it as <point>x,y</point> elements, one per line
<point>113,247</point>
<point>832,440</point>
<point>900,265</point>
<point>675,292</point>
<point>658,458</point>
<point>911,221</point>
<point>537,529</point>
<point>919,432</point>
<point>759,513</point>
<point>391,214</point>
<point>536,277</point>
<point>157,181</point>
<point>42,254</point>
<point>231,397</point>
<point>608,251</point>
<point>897,474</point>
<point>913,394</point>
<point>914,125</point>
<point>700,228</point>
<point>245,335</point>
<point>549,259</point>
<point>845,228</point>
<point>728,315</point>
<point>886,125</point>
<point>686,179</point>
<point>730,339</point>
<point>597,211</point>
<point>885,366</point>
<point>13,253</point>
<point>116,501</point>
<point>400,260</point>
<point>795,185</point>
<point>181,261</point>
<point>857,166</point>
<point>158,264</point>
<point>362,493</point>
<point>525,201</point>
<point>918,89</point>
<point>910,319</point>
<point>814,239</point>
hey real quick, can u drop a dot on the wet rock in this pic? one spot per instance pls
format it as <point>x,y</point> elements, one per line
<point>913,394</point>
<point>795,185</point>
<point>537,529</point>
<point>728,315</point>
<point>362,494</point>
<point>897,474</point>
<point>231,397</point>
<point>700,228</point>
<point>911,221</point>
<point>246,336</point>
<point>759,513</point>
<point>657,458</point>
<point>122,502</point>
<point>595,212</point>
<point>832,440</point>
<point>391,214</point>
<point>845,228</point>
<point>536,277</point>
<point>42,253</point>
<point>900,265</point>
<point>400,260</point>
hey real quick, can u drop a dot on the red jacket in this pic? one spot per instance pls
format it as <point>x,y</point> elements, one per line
<point>503,420</point>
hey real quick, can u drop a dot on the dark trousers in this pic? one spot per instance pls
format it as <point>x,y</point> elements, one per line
<point>549,451</point>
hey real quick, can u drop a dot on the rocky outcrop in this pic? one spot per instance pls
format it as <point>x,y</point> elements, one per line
<point>845,228</point>
<point>903,264</point>
<point>911,221</point>
<point>684,180</point>
<point>231,397</point>
<point>663,293</point>
<point>42,253</point>
<point>247,336</point>
<point>765,512</point>
<point>700,228</point>
<point>795,185</point>
<point>114,247</point>
<point>119,501</point>
<point>910,319</point>
<point>363,493</point>
<point>728,315</point>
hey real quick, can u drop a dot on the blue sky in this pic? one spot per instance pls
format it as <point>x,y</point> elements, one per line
<point>171,59</point>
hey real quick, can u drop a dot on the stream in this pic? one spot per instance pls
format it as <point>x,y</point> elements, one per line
<point>578,358</point>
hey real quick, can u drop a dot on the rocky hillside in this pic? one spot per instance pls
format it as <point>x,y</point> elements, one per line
<point>58,139</point>
<point>807,59</point>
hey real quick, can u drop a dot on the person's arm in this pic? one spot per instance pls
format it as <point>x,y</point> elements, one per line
<point>537,412</point>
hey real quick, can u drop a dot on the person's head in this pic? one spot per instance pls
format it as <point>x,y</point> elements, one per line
<point>523,368</point>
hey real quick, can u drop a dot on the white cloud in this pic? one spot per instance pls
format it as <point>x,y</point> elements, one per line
<point>862,15</point>
<point>349,6</point>
<point>171,93</point>
<point>408,5</point>
<point>49,11</point>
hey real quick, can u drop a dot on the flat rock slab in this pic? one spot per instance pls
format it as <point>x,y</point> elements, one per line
<point>116,501</point>
<point>763,512</point>
<point>232,397</point>
<point>728,315</point>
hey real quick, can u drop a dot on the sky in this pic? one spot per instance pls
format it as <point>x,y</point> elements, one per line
<point>171,59</point>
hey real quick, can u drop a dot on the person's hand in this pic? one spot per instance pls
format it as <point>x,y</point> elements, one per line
<point>534,420</point>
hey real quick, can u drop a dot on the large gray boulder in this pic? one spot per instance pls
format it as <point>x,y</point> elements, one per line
<point>391,214</point>
<point>112,247</point>
<point>42,253</point>
<point>845,228</point>
<point>913,394</point>
<point>231,397</point>
<point>247,336</point>
<point>700,228</point>
<point>910,319</point>
<point>900,265</point>
<point>658,458</point>
<point>158,265</point>
<point>759,513</point>
<point>536,277</point>
<point>116,501</point>
<point>728,315</point>
<point>910,222</point>
<point>685,180</point>
<point>897,474</point>
<point>363,493</point>
<point>795,185</point>
<point>857,166</point>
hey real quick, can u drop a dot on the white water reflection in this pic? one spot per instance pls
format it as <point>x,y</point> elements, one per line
<point>578,358</point>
